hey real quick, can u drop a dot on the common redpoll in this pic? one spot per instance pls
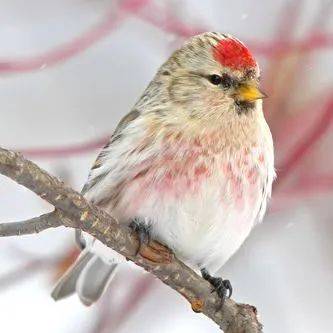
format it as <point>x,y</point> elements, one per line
<point>190,166</point>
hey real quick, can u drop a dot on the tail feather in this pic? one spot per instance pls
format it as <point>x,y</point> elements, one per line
<point>88,276</point>
<point>94,279</point>
<point>66,285</point>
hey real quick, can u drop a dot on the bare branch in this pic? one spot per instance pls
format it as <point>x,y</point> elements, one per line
<point>31,226</point>
<point>72,210</point>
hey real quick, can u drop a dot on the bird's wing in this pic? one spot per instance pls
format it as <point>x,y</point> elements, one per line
<point>119,160</point>
<point>110,168</point>
<point>116,136</point>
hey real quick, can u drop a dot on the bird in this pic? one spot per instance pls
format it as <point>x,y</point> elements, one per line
<point>190,166</point>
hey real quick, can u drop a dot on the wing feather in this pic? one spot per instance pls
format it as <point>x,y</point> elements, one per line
<point>94,179</point>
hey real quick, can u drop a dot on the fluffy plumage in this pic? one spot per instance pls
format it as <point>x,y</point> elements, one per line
<point>192,159</point>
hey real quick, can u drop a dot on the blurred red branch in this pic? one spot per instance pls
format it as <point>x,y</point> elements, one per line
<point>23,272</point>
<point>64,151</point>
<point>303,147</point>
<point>310,188</point>
<point>135,295</point>
<point>164,20</point>
<point>281,48</point>
<point>316,182</point>
<point>74,47</point>
<point>276,70</point>
<point>305,188</point>
<point>113,314</point>
<point>62,52</point>
<point>105,313</point>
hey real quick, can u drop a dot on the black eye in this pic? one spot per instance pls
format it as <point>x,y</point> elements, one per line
<point>215,79</point>
<point>226,81</point>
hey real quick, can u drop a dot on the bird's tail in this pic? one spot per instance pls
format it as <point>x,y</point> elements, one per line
<point>89,276</point>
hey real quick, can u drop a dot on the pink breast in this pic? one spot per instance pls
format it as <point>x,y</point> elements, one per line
<point>183,167</point>
<point>242,176</point>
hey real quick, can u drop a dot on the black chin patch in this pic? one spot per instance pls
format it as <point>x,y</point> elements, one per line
<point>244,106</point>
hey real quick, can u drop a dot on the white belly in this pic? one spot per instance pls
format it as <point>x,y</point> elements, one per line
<point>205,226</point>
<point>204,223</point>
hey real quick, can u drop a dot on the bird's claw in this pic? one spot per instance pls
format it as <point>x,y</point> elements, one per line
<point>143,232</point>
<point>148,249</point>
<point>223,288</point>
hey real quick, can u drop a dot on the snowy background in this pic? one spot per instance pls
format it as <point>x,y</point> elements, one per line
<point>69,70</point>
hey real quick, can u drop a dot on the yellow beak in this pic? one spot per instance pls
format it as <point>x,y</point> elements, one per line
<point>249,93</point>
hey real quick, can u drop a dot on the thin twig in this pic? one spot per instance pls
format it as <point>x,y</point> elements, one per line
<point>31,226</point>
<point>72,210</point>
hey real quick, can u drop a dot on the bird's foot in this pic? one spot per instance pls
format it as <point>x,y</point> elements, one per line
<point>143,232</point>
<point>149,249</point>
<point>222,287</point>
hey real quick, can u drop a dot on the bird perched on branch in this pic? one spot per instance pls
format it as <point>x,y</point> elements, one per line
<point>191,166</point>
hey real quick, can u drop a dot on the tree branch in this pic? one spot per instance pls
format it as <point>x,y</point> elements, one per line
<point>73,210</point>
<point>31,226</point>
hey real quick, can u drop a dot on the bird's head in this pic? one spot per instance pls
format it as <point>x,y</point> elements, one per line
<point>213,77</point>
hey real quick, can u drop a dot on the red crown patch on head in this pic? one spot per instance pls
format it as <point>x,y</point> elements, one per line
<point>233,54</point>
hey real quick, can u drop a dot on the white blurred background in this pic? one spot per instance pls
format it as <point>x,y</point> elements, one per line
<point>69,70</point>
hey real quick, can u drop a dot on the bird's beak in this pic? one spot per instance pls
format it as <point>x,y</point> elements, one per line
<point>249,92</point>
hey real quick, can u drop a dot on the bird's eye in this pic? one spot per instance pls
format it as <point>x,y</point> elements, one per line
<point>226,81</point>
<point>215,79</point>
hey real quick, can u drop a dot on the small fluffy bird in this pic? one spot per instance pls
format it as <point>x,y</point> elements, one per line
<point>191,165</point>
